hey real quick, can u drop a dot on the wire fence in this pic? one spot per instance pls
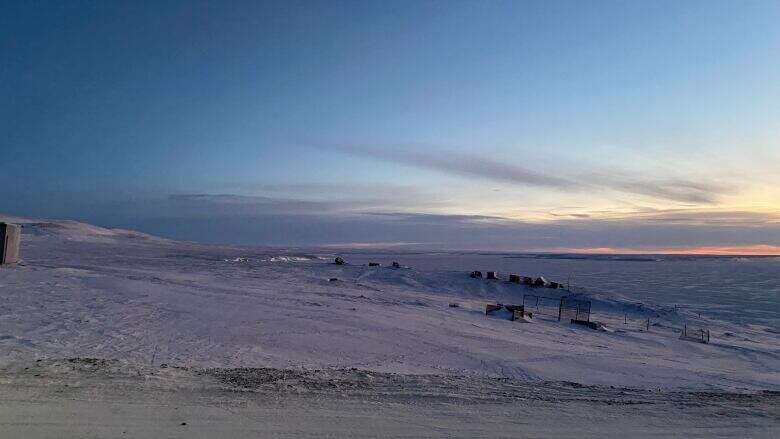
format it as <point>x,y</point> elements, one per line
<point>561,308</point>
<point>638,318</point>
<point>542,305</point>
<point>573,309</point>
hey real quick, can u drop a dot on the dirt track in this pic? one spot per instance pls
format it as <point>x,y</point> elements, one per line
<point>86,398</point>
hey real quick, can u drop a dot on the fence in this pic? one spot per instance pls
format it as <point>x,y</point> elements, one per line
<point>562,308</point>
<point>572,309</point>
<point>701,335</point>
<point>542,305</point>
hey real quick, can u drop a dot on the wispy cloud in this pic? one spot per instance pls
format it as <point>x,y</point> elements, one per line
<point>692,217</point>
<point>674,189</point>
<point>261,220</point>
<point>465,165</point>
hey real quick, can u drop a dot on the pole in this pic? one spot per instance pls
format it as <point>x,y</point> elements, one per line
<point>560,308</point>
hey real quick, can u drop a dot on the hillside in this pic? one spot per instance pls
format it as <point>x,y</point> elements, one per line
<point>85,291</point>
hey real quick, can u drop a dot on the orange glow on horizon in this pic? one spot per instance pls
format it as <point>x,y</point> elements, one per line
<point>739,250</point>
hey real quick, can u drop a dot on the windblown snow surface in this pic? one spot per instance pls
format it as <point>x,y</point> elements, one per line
<point>88,292</point>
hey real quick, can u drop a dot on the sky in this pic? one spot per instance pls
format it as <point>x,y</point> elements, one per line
<point>606,126</point>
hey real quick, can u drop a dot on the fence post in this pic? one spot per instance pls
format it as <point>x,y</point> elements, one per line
<point>560,309</point>
<point>648,325</point>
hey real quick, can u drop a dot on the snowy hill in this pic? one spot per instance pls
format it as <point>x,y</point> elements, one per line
<point>86,291</point>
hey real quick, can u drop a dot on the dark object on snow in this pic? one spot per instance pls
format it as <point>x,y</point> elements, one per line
<point>490,308</point>
<point>339,260</point>
<point>373,264</point>
<point>514,278</point>
<point>333,279</point>
<point>540,282</point>
<point>492,275</point>
<point>553,285</point>
<point>591,325</point>
<point>528,280</point>
<point>454,305</point>
<point>513,308</point>
<point>396,265</point>
<point>10,237</point>
<point>476,274</point>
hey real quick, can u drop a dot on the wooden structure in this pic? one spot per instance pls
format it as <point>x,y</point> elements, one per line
<point>521,314</point>
<point>10,239</point>
<point>489,308</point>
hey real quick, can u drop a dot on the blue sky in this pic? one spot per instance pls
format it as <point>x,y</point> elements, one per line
<point>511,125</point>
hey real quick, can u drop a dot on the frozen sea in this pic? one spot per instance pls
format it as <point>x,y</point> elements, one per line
<point>741,290</point>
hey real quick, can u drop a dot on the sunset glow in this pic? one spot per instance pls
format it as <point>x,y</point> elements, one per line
<point>752,250</point>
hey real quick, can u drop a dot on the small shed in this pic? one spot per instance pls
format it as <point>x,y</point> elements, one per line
<point>10,238</point>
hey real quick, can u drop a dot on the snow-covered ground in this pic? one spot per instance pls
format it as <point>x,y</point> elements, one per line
<point>84,291</point>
